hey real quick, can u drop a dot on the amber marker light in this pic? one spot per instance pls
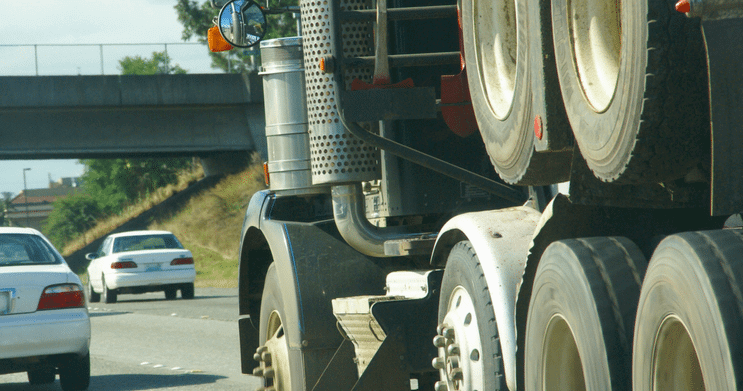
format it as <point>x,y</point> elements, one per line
<point>265,174</point>
<point>683,6</point>
<point>216,41</point>
<point>538,127</point>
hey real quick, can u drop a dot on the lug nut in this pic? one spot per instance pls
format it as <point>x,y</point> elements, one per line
<point>440,386</point>
<point>438,363</point>
<point>439,341</point>
<point>257,357</point>
<point>440,328</point>
<point>269,372</point>
<point>453,361</point>
<point>261,349</point>
<point>258,372</point>
<point>453,349</point>
<point>457,374</point>
<point>266,356</point>
<point>448,333</point>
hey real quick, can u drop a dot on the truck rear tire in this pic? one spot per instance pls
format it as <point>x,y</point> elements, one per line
<point>581,315</point>
<point>273,353</point>
<point>496,53</point>
<point>633,81</point>
<point>467,322</point>
<point>690,315</point>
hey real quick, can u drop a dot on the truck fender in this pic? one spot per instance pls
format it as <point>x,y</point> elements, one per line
<point>501,239</point>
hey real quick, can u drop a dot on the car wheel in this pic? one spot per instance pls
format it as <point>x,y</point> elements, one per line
<point>108,295</point>
<point>187,292</point>
<point>581,315</point>
<point>468,342</point>
<point>279,369</point>
<point>93,297</point>
<point>170,293</point>
<point>629,71</point>
<point>74,374</point>
<point>41,375</point>
<point>690,314</point>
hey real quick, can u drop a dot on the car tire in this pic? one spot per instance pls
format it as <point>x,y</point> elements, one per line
<point>497,56</point>
<point>466,311</point>
<point>286,368</point>
<point>41,375</point>
<point>687,333</point>
<point>109,295</point>
<point>581,315</point>
<point>93,297</point>
<point>630,74</point>
<point>170,293</point>
<point>74,373</point>
<point>187,292</point>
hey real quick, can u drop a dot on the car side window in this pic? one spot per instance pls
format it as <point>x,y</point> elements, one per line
<point>103,250</point>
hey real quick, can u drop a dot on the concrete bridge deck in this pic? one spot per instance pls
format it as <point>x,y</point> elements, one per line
<point>63,117</point>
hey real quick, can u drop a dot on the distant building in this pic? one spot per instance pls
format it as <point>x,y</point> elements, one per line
<point>35,213</point>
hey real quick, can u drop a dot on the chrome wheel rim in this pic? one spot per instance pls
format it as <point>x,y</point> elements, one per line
<point>459,360</point>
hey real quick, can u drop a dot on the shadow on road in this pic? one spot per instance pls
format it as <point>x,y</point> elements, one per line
<point>107,313</point>
<point>134,299</point>
<point>130,382</point>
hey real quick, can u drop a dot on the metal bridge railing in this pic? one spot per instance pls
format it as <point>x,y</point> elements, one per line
<point>16,59</point>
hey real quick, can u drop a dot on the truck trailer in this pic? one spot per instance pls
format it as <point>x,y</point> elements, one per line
<point>496,195</point>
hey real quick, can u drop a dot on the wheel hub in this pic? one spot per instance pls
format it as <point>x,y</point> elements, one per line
<point>458,341</point>
<point>273,358</point>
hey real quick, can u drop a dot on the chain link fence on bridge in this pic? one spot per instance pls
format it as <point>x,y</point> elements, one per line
<point>97,59</point>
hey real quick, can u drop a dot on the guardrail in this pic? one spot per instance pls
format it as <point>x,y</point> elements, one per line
<point>15,56</point>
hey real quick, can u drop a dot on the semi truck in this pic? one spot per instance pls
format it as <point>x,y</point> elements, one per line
<point>496,195</point>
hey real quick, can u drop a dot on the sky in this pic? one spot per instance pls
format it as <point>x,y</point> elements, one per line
<point>90,22</point>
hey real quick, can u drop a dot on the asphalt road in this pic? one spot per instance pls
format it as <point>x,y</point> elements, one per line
<point>144,342</point>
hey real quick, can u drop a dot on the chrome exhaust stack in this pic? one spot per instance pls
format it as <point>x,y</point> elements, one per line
<point>350,218</point>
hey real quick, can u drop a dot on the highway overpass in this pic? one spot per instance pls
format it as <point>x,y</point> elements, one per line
<point>62,117</point>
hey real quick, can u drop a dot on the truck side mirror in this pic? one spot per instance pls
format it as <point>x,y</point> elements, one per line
<point>242,23</point>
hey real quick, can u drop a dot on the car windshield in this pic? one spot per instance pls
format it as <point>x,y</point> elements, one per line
<point>145,242</point>
<point>24,249</point>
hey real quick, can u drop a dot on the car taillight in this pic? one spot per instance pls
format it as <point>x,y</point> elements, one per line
<point>61,296</point>
<point>123,265</point>
<point>181,261</point>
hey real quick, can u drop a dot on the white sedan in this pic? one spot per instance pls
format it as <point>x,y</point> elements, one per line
<point>44,323</point>
<point>139,262</point>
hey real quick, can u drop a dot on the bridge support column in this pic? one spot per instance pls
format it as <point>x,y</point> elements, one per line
<point>225,163</point>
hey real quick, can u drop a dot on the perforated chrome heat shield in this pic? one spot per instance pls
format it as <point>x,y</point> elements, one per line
<point>336,155</point>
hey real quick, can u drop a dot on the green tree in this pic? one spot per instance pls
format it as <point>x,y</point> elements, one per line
<point>159,64</point>
<point>115,183</point>
<point>71,216</point>
<point>4,203</point>
<point>197,20</point>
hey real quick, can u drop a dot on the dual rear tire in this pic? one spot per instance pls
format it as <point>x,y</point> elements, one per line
<point>591,327</point>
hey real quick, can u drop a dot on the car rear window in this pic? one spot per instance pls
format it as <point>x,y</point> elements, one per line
<point>24,249</point>
<point>146,242</point>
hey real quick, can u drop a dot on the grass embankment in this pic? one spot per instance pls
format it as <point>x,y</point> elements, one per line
<point>208,225</point>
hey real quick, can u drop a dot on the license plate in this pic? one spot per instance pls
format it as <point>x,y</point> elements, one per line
<point>152,267</point>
